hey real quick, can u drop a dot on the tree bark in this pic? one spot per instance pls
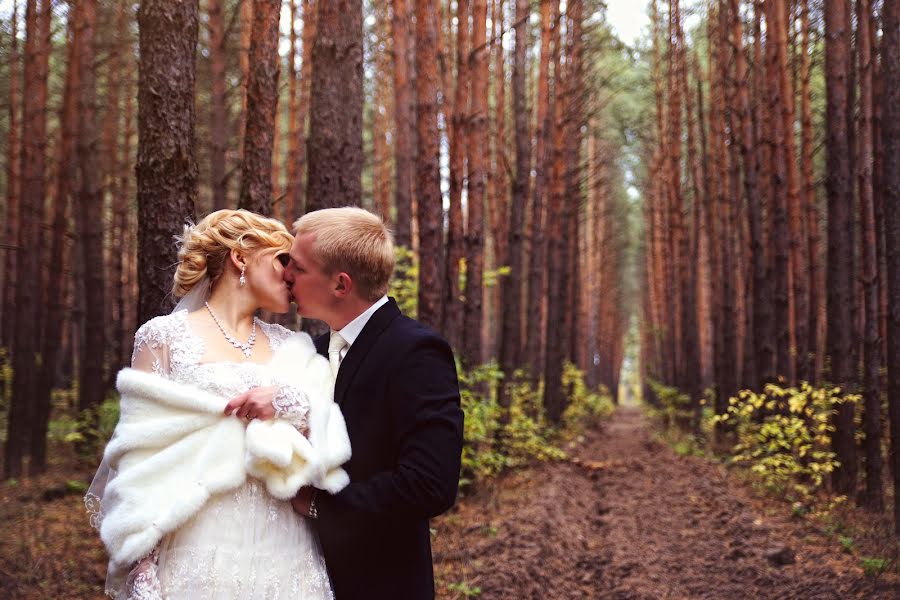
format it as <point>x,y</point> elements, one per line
<point>510,338</point>
<point>218,108</point>
<point>403,119</point>
<point>262,104</point>
<point>66,177</point>
<point>27,340</point>
<point>841,345</point>
<point>459,141</point>
<point>477,180</point>
<point>807,363</point>
<point>13,186</point>
<point>537,267</point>
<point>166,165</point>
<point>428,177</point>
<point>335,126</point>
<point>890,191</point>
<point>872,359</point>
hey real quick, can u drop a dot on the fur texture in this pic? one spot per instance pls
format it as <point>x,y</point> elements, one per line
<point>173,448</point>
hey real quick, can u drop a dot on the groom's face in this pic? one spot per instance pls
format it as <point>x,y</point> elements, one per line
<point>311,288</point>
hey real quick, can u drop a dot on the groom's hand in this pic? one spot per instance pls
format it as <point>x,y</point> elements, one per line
<point>253,404</point>
<point>302,502</point>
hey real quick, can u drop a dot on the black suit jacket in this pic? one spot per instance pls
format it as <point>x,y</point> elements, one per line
<point>397,388</point>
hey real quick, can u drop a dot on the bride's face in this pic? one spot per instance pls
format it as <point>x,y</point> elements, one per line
<point>265,279</point>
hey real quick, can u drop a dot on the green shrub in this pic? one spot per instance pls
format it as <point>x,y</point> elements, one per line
<point>404,286</point>
<point>584,405</point>
<point>784,436</point>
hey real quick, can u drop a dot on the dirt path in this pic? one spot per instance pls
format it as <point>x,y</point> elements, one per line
<point>629,519</point>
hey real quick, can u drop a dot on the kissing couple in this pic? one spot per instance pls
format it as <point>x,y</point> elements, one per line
<point>253,462</point>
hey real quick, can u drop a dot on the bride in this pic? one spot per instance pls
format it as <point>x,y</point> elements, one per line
<point>192,499</point>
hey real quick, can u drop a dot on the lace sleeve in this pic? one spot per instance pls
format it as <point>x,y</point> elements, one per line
<point>292,405</point>
<point>143,580</point>
<point>151,347</point>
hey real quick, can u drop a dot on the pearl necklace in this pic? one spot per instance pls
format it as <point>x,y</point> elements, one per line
<point>245,348</point>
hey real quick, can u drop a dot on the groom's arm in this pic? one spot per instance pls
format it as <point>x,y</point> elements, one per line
<point>424,394</point>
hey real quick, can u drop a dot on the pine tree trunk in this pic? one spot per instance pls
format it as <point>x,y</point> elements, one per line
<point>310,19</point>
<point>383,108</point>
<point>807,356</point>
<point>13,187</point>
<point>428,177</point>
<point>218,108</point>
<point>26,342</point>
<point>477,181</point>
<point>59,257</point>
<point>335,125</point>
<point>873,495</point>
<point>553,365</point>
<point>403,120</point>
<point>262,104</point>
<point>510,338</point>
<point>166,165</point>
<point>90,200</point>
<point>459,140</point>
<point>841,345</point>
<point>890,142</point>
<point>537,267</point>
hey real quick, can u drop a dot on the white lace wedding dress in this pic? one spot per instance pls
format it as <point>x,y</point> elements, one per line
<point>243,544</point>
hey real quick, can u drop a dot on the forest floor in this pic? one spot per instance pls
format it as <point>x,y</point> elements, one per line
<point>625,518</point>
<point>628,518</point>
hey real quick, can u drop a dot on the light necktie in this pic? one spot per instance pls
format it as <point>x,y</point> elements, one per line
<point>335,345</point>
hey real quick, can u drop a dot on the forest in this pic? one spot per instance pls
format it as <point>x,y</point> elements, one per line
<point>669,268</point>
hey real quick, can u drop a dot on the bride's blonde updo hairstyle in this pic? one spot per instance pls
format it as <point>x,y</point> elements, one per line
<point>206,246</point>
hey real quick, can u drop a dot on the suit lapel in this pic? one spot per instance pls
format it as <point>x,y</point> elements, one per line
<point>360,348</point>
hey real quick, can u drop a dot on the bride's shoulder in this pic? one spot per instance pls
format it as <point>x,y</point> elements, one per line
<point>161,329</point>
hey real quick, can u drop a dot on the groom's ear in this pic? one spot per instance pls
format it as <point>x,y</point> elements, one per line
<point>343,285</point>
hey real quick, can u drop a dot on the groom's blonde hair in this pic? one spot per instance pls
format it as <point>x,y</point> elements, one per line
<point>354,241</point>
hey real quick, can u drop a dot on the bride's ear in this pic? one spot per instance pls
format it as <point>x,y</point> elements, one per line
<point>237,259</point>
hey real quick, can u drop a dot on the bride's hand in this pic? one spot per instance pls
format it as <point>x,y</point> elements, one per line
<point>253,404</point>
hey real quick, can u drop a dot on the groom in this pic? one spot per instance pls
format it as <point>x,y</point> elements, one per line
<point>397,388</point>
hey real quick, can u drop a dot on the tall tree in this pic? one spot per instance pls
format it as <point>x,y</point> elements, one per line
<point>807,363</point>
<point>453,307</point>
<point>218,106</point>
<point>841,345</point>
<point>13,185</point>
<point>66,178</point>
<point>511,340</point>
<point>403,123</point>
<point>537,257</point>
<point>890,191</point>
<point>477,181</point>
<point>873,495</point>
<point>428,176</point>
<point>310,19</point>
<point>335,127</point>
<point>90,201</point>
<point>554,401</point>
<point>262,104</point>
<point>26,365</point>
<point>166,165</point>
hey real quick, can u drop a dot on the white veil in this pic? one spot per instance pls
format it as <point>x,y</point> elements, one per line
<point>94,497</point>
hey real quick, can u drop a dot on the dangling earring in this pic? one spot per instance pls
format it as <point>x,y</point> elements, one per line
<point>243,279</point>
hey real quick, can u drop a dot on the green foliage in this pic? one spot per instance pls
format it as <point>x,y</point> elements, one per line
<point>584,405</point>
<point>6,379</point>
<point>846,543</point>
<point>96,425</point>
<point>494,441</point>
<point>873,567</point>
<point>404,285</point>
<point>480,458</point>
<point>674,406</point>
<point>464,589</point>
<point>784,435</point>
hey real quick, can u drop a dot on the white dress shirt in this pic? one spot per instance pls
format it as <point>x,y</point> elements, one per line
<point>352,329</point>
